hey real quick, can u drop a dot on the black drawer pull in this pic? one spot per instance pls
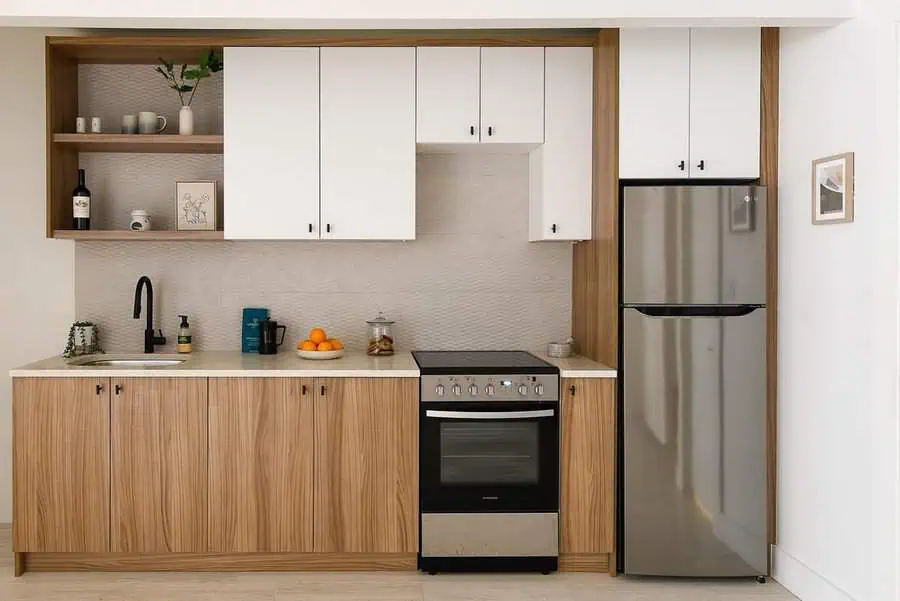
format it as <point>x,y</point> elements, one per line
<point>119,388</point>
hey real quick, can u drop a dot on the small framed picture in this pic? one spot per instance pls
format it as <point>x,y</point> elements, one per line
<point>832,192</point>
<point>195,206</point>
<point>742,214</point>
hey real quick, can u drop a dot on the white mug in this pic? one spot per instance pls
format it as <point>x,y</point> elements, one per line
<point>80,125</point>
<point>129,124</point>
<point>148,122</point>
<point>95,125</point>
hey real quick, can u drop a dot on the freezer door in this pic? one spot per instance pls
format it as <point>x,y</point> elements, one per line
<point>700,245</point>
<point>694,401</point>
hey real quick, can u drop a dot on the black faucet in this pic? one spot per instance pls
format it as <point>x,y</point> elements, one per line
<point>150,340</point>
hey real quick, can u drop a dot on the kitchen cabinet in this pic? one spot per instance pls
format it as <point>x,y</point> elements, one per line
<point>61,465</point>
<point>689,103</point>
<point>366,481</point>
<point>561,170</point>
<point>448,95</point>
<point>261,458</point>
<point>271,158</point>
<point>368,143</point>
<point>158,437</point>
<point>588,467</point>
<point>512,95</point>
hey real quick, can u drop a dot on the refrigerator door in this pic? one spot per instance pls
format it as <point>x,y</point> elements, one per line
<point>695,245</point>
<point>694,397</point>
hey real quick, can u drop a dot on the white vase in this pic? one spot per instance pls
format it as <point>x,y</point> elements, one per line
<point>186,121</point>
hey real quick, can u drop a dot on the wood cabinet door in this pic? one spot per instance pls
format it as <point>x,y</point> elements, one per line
<point>367,465</point>
<point>512,95</point>
<point>654,102</point>
<point>261,457</point>
<point>368,143</point>
<point>448,94</point>
<point>587,503</point>
<point>725,102</point>
<point>561,170</point>
<point>158,465</point>
<point>61,465</point>
<point>271,118</point>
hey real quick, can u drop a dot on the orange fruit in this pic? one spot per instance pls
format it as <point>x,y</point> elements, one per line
<point>317,335</point>
<point>336,344</point>
<point>307,345</point>
<point>325,346</point>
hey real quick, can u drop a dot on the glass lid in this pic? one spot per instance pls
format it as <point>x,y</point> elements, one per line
<point>380,320</point>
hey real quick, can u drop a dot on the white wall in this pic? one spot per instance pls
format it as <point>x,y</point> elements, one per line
<point>36,296</point>
<point>838,317</point>
<point>388,14</point>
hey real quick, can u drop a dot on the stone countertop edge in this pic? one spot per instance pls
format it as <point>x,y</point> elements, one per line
<point>577,366</point>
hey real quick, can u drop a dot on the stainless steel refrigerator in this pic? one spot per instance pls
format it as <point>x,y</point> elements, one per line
<point>694,381</point>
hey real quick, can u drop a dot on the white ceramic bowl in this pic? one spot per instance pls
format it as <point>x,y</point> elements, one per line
<point>320,355</point>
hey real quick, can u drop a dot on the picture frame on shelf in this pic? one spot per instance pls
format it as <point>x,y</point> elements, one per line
<point>195,206</point>
<point>832,189</point>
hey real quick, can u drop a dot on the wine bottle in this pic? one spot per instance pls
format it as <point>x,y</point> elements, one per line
<point>81,205</point>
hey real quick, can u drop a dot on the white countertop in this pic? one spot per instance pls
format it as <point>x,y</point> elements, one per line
<point>577,366</point>
<point>224,364</point>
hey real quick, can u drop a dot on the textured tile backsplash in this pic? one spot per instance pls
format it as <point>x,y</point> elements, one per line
<point>469,280</point>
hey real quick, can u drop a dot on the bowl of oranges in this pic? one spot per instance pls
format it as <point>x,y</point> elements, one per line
<point>319,346</point>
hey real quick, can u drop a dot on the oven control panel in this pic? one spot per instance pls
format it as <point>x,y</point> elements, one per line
<point>490,388</point>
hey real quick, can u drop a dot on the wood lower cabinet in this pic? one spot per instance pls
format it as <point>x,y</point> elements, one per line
<point>366,484</point>
<point>261,458</point>
<point>61,464</point>
<point>588,466</point>
<point>158,465</point>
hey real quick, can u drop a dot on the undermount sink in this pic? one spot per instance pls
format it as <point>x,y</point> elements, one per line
<point>126,362</point>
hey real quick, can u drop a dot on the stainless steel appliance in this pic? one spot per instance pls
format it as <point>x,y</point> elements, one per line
<point>693,378</point>
<point>489,461</point>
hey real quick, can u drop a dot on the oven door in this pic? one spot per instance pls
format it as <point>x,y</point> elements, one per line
<point>482,457</point>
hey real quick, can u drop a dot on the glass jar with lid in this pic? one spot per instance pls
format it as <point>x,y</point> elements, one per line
<point>381,336</point>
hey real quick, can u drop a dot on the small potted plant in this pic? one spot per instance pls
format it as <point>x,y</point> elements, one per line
<point>185,81</point>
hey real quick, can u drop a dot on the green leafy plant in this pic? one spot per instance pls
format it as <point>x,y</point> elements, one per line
<point>186,79</point>
<point>87,347</point>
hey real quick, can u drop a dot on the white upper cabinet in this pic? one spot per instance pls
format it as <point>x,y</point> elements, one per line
<point>725,102</point>
<point>561,169</point>
<point>368,143</point>
<point>271,98</point>
<point>512,95</point>
<point>689,103</point>
<point>448,95</point>
<point>654,96</point>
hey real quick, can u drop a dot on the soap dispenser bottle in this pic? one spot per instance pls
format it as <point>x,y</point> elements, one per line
<point>184,335</point>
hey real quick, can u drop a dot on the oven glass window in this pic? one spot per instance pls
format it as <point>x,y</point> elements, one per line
<point>489,453</point>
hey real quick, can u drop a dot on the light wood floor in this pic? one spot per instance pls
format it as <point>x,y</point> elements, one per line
<point>370,586</point>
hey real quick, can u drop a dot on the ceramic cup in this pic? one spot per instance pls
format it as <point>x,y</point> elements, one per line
<point>96,126</point>
<point>80,125</point>
<point>129,124</point>
<point>140,220</point>
<point>149,122</point>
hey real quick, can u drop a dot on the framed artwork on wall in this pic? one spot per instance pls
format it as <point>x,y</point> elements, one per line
<point>832,191</point>
<point>195,206</point>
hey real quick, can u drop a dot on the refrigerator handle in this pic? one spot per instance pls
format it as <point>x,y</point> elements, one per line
<point>714,311</point>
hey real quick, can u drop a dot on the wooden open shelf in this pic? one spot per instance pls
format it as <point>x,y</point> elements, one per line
<point>155,143</point>
<point>151,236</point>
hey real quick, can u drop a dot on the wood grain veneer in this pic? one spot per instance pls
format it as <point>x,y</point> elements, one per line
<point>159,143</point>
<point>148,236</point>
<point>261,456</point>
<point>595,264</point>
<point>62,162</point>
<point>60,464</point>
<point>588,466</point>
<point>584,562</point>
<point>158,465</point>
<point>769,177</point>
<point>366,483</point>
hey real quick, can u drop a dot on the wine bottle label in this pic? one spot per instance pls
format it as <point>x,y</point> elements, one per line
<point>81,207</point>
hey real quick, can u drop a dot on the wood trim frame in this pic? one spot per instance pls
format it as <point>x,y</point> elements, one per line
<point>61,88</point>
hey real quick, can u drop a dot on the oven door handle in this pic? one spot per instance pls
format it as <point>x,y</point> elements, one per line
<point>490,414</point>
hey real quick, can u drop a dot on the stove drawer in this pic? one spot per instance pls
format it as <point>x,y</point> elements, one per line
<point>490,534</point>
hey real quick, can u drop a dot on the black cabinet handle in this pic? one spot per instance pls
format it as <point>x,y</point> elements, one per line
<point>328,227</point>
<point>553,228</point>
<point>572,389</point>
<point>471,130</point>
<point>99,388</point>
<point>310,228</point>
<point>681,165</point>
<point>303,390</point>
<point>490,131</point>
<point>119,388</point>
<point>702,165</point>
<point>323,390</point>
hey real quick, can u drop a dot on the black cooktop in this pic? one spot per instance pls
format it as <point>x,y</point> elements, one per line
<point>481,362</point>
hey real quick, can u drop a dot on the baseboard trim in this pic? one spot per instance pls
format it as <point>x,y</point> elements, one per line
<point>584,562</point>
<point>218,562</point>
<point>803,582</point>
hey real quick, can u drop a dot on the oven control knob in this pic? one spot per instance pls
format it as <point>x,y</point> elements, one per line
<point>489,390</point>
<point>439,390</point>
<point>473,390</point>
<point>523,390</point>
<point>539,389</point>
<point>457,389</point>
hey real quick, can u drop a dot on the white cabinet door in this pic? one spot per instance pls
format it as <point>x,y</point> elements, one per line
<point>654,95</point>
<point>271,98</point>
<point>368,146</point>
<point>512,95</point>
<point>447,94</point>
<point>561,169</point>
<point>725,102</point>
